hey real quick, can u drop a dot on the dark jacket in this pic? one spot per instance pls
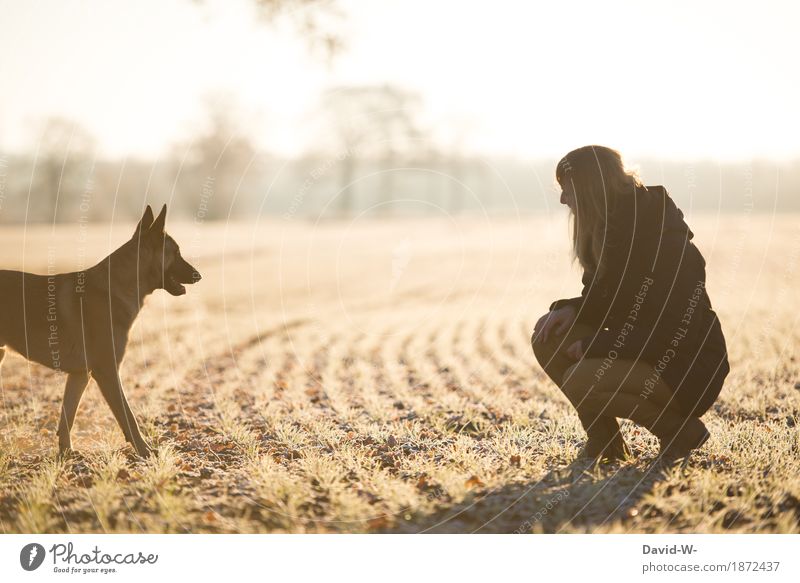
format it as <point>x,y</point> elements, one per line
<point>651,302</point>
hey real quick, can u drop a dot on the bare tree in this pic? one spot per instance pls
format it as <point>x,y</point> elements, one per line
<point>64,166</point>
<point>378,123</point>
<point>213,165</point>
<point>319,22</point>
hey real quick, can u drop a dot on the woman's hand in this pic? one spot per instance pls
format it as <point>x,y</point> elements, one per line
<point>575,350</point>
<point>557,321</point>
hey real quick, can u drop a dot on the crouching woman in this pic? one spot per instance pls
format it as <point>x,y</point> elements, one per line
<point>642,341</point>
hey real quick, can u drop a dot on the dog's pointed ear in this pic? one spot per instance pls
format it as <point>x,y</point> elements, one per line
<point>145,222</point>
<point>157,228</point>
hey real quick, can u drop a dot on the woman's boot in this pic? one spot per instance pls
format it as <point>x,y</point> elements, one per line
<point>604,440</point>
<point>681,440</point>
<point>677,434</point>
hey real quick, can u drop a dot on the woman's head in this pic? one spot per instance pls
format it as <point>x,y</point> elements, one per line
<point>593,180</point>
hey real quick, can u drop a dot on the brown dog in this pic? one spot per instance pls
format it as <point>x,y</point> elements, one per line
<point>79,322</point>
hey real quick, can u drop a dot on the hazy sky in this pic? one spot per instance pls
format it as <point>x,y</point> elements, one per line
<point>671,79</point>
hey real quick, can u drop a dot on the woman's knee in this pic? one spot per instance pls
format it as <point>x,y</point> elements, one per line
<point>543,351</point>
<point>577,383</point>
<point>549,358</point>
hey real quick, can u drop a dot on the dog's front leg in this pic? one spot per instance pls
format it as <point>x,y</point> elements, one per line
<point>73,391</point>
<point>111,388</point>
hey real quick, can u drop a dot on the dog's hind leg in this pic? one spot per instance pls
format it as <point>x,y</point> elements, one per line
<point>111,388</point>
<point>73,391</point>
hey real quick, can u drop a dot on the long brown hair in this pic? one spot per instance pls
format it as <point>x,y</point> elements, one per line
<point>601,181</point>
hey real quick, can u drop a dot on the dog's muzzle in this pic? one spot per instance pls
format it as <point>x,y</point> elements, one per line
<point>176,279</point>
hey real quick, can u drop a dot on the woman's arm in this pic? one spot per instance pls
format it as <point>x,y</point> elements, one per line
<point>584,315</point>
<point>574,302</point>
<point>598,292</point>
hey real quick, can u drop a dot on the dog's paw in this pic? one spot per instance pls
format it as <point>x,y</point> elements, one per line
<point>145,451</point>
<point>137,453</point>
<point>69,454</point>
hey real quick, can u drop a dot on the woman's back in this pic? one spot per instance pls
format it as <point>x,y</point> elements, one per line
<point>650,301</point>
